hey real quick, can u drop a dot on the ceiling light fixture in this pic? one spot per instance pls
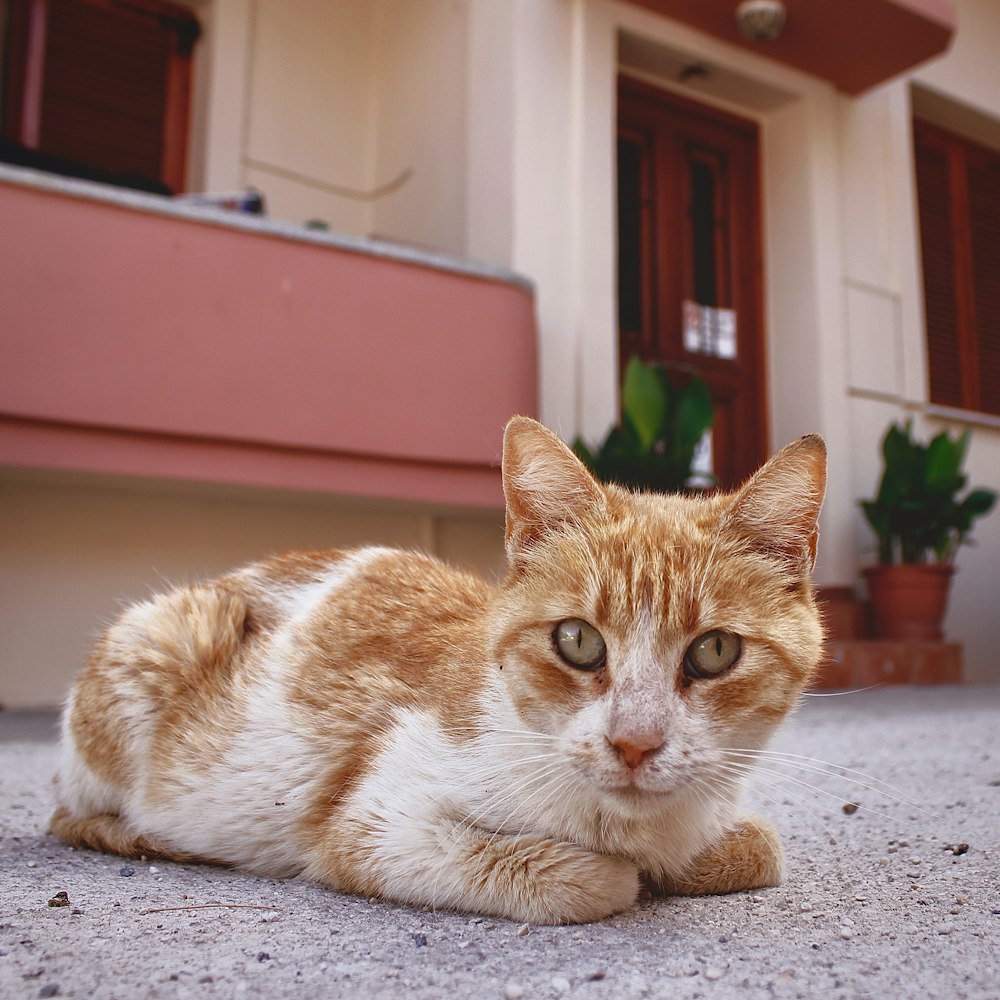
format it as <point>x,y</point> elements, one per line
<point>760,20</point>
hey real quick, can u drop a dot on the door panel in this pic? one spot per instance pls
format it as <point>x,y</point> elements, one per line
<point>689,259</point>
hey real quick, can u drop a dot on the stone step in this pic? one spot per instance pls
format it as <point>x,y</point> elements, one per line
<point>859,663</point>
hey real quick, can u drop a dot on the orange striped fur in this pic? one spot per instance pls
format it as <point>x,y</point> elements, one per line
<point>388,725</point>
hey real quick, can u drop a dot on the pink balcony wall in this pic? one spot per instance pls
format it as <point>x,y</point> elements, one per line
<point>145,339</point>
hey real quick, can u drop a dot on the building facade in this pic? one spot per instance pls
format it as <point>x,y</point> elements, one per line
<point>545,140</point>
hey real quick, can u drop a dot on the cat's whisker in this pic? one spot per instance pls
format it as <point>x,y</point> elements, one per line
<point>753,770</point>
<point>840,694</point>
<point>756,778</point>
<point>511,790</point>
<point>778,792</point>
<point>814,765</point>
<point>499,772</point>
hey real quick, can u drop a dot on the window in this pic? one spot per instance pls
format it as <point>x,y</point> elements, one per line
<point>958,188</point>
<point>100,89</point>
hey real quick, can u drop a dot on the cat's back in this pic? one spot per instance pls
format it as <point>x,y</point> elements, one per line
<point>383,627</point>
<point>271,684</point>
<point>307,628</point>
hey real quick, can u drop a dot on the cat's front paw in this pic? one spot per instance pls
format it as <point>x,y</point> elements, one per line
<point>749,856</point>
<point>570,885</point>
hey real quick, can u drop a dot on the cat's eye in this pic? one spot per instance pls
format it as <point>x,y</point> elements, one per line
<point>712,654</point>
<point>579,644</point>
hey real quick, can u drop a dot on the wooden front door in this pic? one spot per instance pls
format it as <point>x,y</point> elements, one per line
<point>690,282</point>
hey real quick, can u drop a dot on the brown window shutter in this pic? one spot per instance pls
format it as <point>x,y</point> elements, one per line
<point>984,224</point>
<point>938,256</point>
<point>105,86</point>
<point>102,84</point>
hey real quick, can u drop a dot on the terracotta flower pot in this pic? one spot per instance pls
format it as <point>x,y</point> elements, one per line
<point>909,601</point>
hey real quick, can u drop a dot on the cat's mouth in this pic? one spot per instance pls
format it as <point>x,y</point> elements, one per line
<point>646,784</point>
<point>638,786</point>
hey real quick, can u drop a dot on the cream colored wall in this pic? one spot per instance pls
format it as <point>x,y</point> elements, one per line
<point>350,112</point>
<point>420,121</point>
<point>884,303</point>
<point>73,551</point>
<point>308,96</point>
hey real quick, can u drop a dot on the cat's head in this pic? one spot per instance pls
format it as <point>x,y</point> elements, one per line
<point>654,634</point>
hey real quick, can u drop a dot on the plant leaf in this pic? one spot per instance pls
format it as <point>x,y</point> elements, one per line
<point>979,502</point>
<point>944,459</point>
<point>644,403</point>
<point>695,415</point>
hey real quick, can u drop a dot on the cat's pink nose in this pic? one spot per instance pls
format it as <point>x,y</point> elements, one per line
<point>637,749</point>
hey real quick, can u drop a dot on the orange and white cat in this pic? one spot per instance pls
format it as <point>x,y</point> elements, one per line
<point>387,725</point>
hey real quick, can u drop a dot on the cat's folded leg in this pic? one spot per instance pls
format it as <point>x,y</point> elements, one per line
<point>457,866</point>
<point>538,879</point>
<point>749,856</point>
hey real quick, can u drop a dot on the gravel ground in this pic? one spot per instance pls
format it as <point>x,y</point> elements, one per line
<point>899,897</point>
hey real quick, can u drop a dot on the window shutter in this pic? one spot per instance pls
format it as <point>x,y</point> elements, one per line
<point>105,89</point>
<point>938,254</point>
<point>100,88</point>
<point>984,224</point>
<point>958,191</point>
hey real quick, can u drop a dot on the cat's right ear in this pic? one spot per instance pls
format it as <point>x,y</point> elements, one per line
<point>544,484</point>
<point>777,510</point>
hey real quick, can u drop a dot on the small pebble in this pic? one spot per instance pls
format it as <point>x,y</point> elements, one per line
<point>513,991</point>
<point>596,976</point>
<point>946,929</point>
<point>850,808</point>
<point>846,933</point>
<point>420,940</point>
<point>713,973</point>
<point>49,990</point>
<point>560,984</point>
<point>263,956</point>
<point>59,899</point>
<point>34,864</point>
<point>523,931</point>
<point>126,872</point>
<point>756,899</point>
<point>153,870</point>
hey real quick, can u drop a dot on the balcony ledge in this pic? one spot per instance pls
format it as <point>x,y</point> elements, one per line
<point>147,337</point>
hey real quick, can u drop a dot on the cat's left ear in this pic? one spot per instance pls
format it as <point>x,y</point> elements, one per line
<point>777,510</point>
<point>545,485</point>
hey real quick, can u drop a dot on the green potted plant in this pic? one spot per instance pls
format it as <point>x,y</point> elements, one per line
<point>653,447</point>
<point>920,521</point>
